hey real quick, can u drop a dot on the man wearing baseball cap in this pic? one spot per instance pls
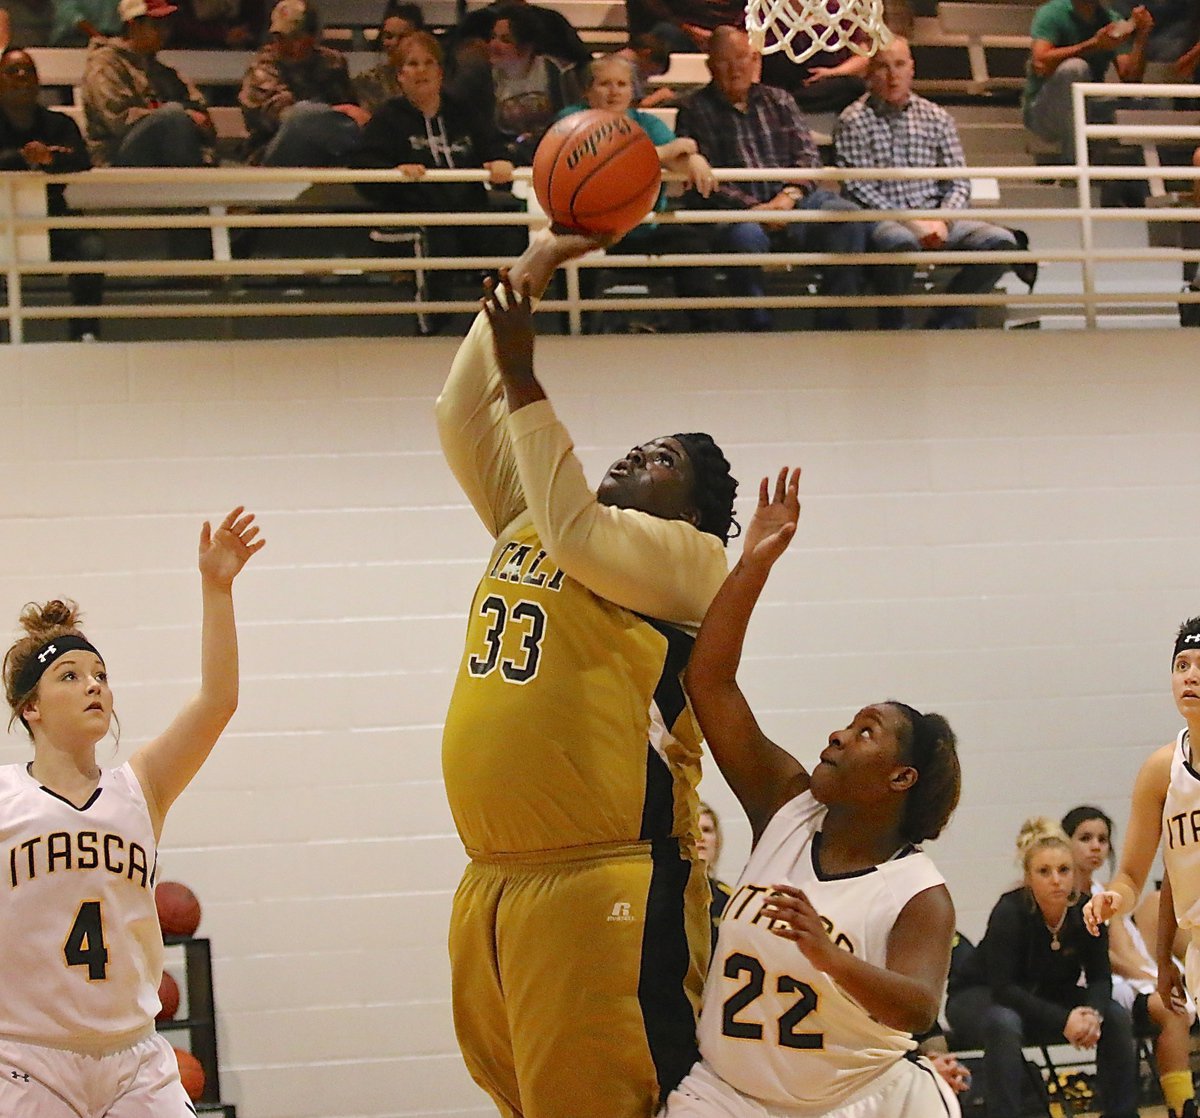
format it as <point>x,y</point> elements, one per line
<point>140,112</point>
<point>299,104</point>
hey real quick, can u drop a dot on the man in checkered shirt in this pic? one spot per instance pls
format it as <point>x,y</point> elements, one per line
<point>738,122</point>
<point>890,126</point>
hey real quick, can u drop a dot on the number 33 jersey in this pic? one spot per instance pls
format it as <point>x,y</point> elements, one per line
<point>82,950</point>
<point>773,1026</point>
<point>568,725</point>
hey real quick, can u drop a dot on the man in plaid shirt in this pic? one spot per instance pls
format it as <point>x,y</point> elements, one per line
<point>738,122</point>
<point>890,126</point>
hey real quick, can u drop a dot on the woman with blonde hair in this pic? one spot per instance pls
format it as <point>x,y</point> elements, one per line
<point>1037,977</point>
<point>83,953</point>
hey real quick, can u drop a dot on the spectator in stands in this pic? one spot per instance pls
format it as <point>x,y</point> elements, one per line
<point>890,126</point>
<point>382,82</point>
<point>77,22</point>
<point>28,22</point>
<point>684,25</point>
<point>552,33</point>
<point>297,99</point>
<point>427,128</point>
<point>610,86</point>
<point>651,58</point>
<point>139,111</point>
<point>1076,41</point>
<point>33,138</point>
<point>529,88</point>
<point>1039,977</point>
<point>220,24</point>
<point>1135,976</point>
<point>825,83</point>
<point>708,850</point>
<point>739,122</point>
<point>1175,37</point>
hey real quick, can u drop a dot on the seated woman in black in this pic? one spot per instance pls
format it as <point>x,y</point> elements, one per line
<point>427,128</point>
<point>1022,986</point>
<point>33,138</point>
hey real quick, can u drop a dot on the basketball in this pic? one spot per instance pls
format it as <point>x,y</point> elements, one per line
<point>178,909</point>
<point>191,1073</point>
<point>168,994</point>
<point>596,171</point>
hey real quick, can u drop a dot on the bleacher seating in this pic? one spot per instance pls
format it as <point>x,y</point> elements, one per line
<point>987,26</point>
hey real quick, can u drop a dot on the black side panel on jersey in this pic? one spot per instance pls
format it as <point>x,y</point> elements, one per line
<point>658,809</point>
<point>666,1011</point>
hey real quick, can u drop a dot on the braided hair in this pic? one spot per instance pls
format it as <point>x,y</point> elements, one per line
<point>715,487</point>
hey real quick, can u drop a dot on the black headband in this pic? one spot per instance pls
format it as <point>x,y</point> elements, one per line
<point>37,664</point>
<point>1187,642</point>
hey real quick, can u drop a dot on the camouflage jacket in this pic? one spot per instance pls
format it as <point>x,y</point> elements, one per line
<point>120,87</point>
<point>273,85</point>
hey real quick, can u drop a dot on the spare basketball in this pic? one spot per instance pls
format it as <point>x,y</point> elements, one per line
<point>168,994</point>
<point>191,1074</point>
<point>178,909</point>
<point>596,171</point>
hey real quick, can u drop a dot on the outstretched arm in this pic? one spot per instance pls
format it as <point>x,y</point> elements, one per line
<point>166,765</point>
<point>762,775</point>
<point>1141,842</point>
<point>663,568</point>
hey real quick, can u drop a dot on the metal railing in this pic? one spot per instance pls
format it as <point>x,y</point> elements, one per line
<point>221,201</point>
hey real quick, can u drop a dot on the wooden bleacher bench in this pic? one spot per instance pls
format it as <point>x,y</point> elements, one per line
<point>687,71</point>
<point>96,195</point>
<point>355,21</point>
<point>1153,147</point>
<point>62,67</point>
<point>983,25</point>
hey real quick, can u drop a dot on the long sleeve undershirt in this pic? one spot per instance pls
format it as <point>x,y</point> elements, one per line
<point>525,464</point>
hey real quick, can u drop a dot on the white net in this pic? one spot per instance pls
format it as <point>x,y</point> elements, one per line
<point>802,28</point>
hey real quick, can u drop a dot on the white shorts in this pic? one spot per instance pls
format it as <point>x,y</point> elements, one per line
<point>910,1089</point>
<point>137,1082</point>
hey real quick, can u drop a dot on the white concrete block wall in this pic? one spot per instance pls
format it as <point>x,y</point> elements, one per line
<point>1000,527</point>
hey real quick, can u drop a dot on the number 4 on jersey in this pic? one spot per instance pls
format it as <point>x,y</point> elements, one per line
<point>85,942</point>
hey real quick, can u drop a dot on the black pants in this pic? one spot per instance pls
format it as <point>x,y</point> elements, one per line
<point>86,288</point>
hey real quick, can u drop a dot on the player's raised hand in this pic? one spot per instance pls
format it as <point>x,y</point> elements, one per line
<point>775,519</point>
<point>793,917</point>
<point>1101,908</point>
<point>224,553</point>
<point>509,308</point>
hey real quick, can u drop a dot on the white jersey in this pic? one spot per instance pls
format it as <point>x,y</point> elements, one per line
<point>82,951</point>
<point>1181,835</point>
<point>772,1025</point>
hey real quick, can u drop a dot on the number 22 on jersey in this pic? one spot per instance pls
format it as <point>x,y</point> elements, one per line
<point>738,964</point>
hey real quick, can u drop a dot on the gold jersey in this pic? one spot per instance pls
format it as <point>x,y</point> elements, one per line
<point>568,725</point>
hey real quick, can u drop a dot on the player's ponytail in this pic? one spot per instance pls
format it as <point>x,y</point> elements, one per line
<point>931,748</point>
<point>42,622</point>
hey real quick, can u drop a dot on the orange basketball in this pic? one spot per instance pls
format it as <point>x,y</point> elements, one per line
<point>168,994</point>
<point>596,171</point>
<point>191,1074</point>
<point>178,909</point>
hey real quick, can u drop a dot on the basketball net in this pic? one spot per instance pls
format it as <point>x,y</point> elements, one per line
<point>802,28</point>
